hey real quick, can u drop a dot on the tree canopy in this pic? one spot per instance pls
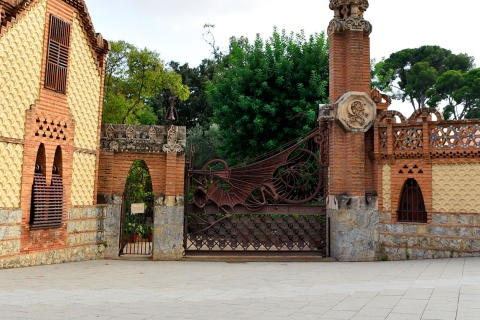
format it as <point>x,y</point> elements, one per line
<point>411,74</point>
<point>132,77</point>
<point>461,91</point>
<point>266,93</point>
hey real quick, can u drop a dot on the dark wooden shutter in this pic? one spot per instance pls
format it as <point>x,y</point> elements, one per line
<point>47,202</point>
<point>57,56</point>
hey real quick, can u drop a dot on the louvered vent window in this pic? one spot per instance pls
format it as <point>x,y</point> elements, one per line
<point>57,56</point>
<point>47,200</point>
<point>412,206</point>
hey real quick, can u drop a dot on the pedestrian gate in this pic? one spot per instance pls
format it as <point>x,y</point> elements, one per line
<point>137,229</point>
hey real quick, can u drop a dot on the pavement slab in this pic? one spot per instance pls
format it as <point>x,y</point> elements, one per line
<point>141,289</point>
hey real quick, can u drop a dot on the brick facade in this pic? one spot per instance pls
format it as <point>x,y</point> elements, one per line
<point>49,121</point>
<point>369,169</point>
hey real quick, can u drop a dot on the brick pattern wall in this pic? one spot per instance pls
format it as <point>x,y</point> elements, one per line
<point>21,51</point>
<point>443,157</point>
<point>32,116</point>
<point>349,71</point>
<point>166,171</point>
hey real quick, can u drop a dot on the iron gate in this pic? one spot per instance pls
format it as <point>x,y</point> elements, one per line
<point>274,205</point>
<point>137,230</point>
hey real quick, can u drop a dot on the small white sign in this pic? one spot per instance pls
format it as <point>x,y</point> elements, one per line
<point>138,208</point>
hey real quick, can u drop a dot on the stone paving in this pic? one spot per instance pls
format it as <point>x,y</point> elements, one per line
<point>125,289</point>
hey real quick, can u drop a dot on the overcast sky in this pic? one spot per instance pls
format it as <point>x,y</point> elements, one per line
<point>175,28</point>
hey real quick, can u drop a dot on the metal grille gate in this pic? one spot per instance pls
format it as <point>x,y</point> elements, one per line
<point>275,205</point>
<point>136,230</point>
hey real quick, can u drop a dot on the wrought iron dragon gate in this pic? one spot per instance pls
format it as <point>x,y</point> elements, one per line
<point>275,205</point>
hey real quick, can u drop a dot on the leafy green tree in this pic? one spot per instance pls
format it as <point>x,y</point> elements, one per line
<point>461,91</point>
<point>267,93</point>
<point>410,73</point>
<point>132,76</point>
<point>205,144</point>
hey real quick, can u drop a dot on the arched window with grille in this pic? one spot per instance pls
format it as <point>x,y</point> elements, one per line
<point>411,207</point>
<point>46,208</point>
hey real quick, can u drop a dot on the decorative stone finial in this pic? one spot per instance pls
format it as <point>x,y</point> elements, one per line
<point>348,15</point>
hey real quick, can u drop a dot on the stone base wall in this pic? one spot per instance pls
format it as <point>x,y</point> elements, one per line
<point>10,229</point>
<point>111,205</point>
<point>168,228</point>
<point>85,253</point>
<point>353,228</point>
<point>449,235</point>
<point>85,239</point>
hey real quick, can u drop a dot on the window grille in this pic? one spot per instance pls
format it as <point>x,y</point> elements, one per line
<point>57,56</point>
<point>412,206</point>
<point>47,200</point>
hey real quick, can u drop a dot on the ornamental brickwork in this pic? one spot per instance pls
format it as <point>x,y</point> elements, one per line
<point>49,134</point>
<point>375,155</point>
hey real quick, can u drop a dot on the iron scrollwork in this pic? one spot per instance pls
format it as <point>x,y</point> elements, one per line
<point>295,175</point>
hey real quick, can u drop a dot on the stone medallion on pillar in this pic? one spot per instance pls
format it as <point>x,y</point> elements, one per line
<point>356,111</point>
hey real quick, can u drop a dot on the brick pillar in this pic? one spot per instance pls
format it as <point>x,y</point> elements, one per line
<point>352,212</point>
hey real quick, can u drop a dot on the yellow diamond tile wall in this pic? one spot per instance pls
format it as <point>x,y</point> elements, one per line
<point>456,187</point>
<point>21,51</point>
<point>83,180</point>
<point>386,187</point>
<point>83,90</point>
<point>11,156</point>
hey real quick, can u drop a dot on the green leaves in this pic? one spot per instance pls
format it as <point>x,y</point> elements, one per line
<point>412,74</point>
<point>132,77</point>
<point>267,93</point>
<point>462,93</point>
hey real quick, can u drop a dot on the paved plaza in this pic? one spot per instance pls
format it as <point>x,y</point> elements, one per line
<point>126,289</point>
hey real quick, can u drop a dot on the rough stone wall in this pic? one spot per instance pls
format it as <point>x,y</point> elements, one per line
<point>353,228</point>
<point>449,235</point>
<point>85,240</point>
<point>112,207</point>
<point>10,229</point>
<point>168,229</point>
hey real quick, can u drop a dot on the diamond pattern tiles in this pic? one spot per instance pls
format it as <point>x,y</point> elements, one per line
<point>455,187</point>
<point>21,55</point>
<point>11,156</point>
<point>83,180</point>
<point>83,90</point>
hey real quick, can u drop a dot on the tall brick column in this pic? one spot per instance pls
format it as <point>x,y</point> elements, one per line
<point>352,209</point>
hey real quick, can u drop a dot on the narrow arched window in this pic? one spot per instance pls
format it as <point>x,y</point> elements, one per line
<point>411,207</point>
<point>38,204</point>
<point>55,204</point>
<point>46,208</point>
